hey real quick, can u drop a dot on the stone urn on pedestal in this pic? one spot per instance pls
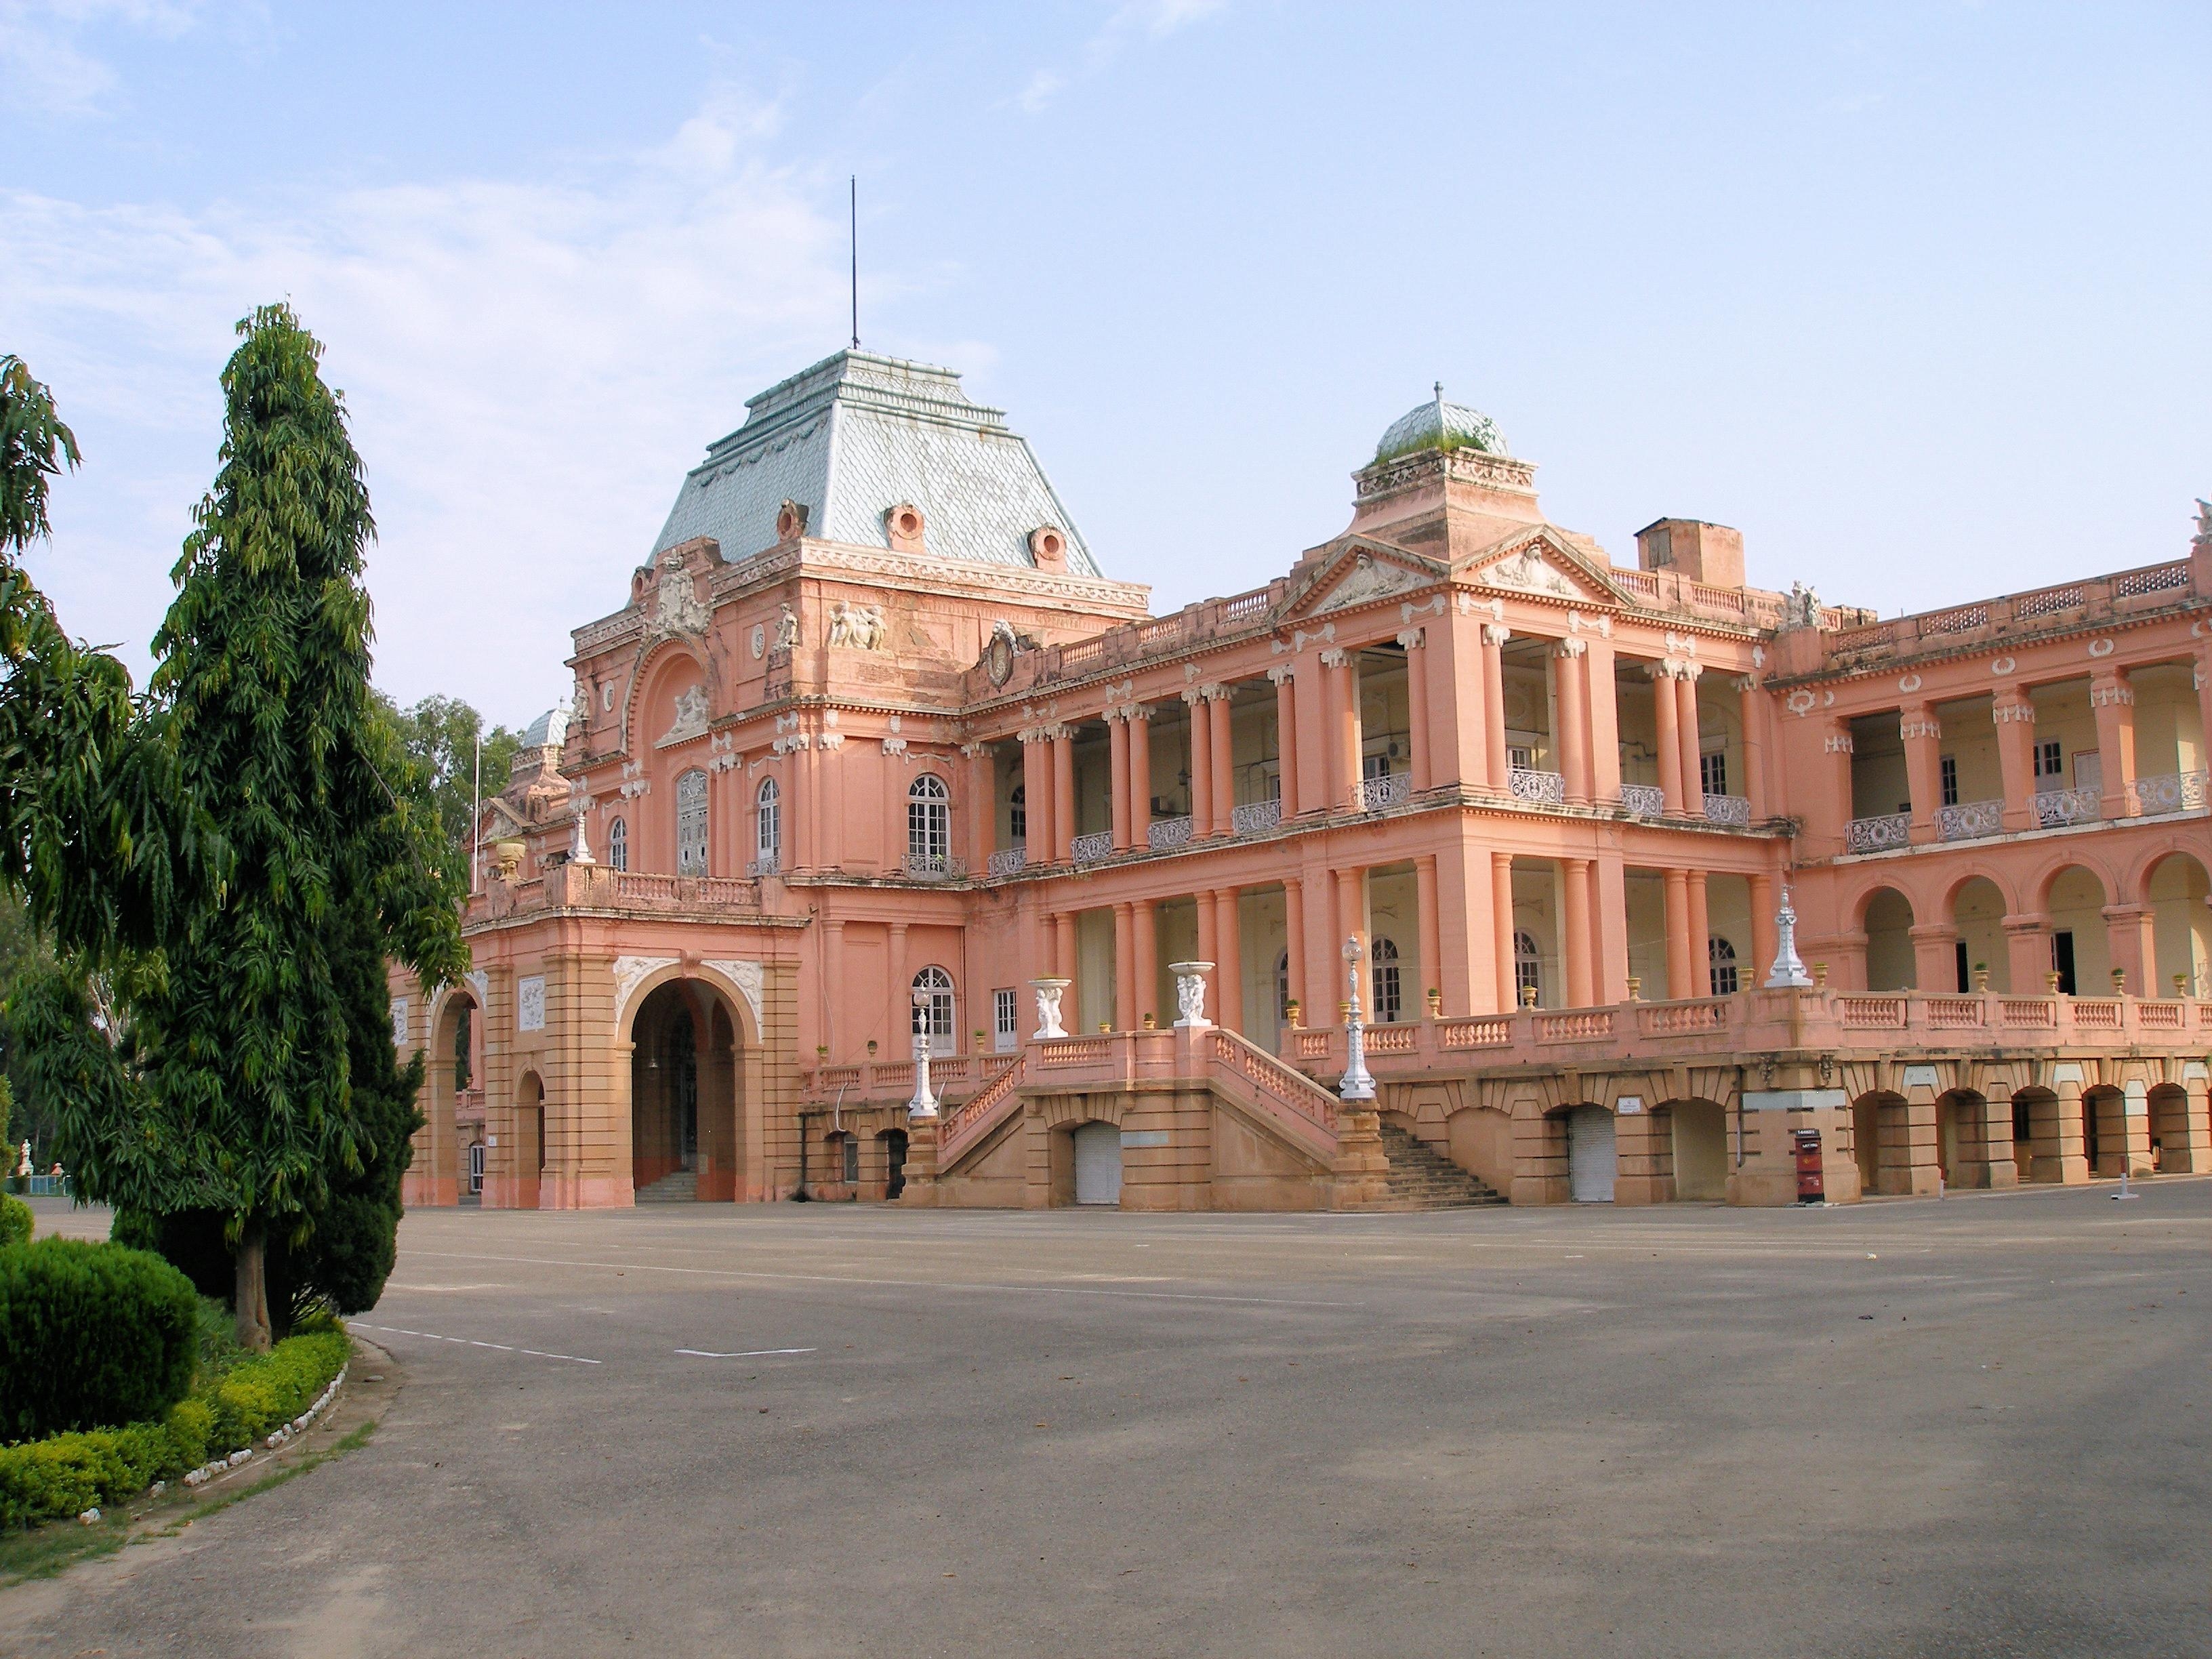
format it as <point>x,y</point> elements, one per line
<point>1361,1171</point>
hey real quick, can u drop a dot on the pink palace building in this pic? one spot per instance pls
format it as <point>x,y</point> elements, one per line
<point>890,849</point>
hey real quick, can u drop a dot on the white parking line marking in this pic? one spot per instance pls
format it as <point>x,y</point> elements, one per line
<point>750,1353</point>
<point>634,1266</point>
<point>470,1342</point>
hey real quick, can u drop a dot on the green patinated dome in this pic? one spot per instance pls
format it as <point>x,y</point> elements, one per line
<point>1439,425</point>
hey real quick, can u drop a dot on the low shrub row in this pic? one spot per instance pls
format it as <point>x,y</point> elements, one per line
<point>66,1475</point>
<point>15,1217</point>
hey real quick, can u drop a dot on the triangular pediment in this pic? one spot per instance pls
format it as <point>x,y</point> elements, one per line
<point>1362,571</point>
<point>1541,563</point>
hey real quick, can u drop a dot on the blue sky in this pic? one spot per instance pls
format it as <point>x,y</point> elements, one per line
<point>1919,297</point>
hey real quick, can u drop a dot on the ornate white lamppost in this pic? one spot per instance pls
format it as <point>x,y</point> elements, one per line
<point>1789,972</point>
<point>1048,1008</point>
<point>1358,1083</point>
<point>1190,994</point>
<point>924,1103</point>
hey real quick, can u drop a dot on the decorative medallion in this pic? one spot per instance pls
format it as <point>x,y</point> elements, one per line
<point>999,654</point>
<point>2003,665</point>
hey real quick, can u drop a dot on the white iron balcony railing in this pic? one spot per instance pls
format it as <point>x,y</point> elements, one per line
<point>1644,800</point>
<point>767,864</point>
<point>2056,807</point>
<point>1008,860</point>
<point>1969,820</point>
<point>1256,818</point>
<point>1875,835</point>
<point>1732,812</point>
<point>2171,791</point>
<point>1391,789</point>
<point>1165,835</point>
<point>1091,848</point>
<point>1543,788</point>
<point>935,867</point>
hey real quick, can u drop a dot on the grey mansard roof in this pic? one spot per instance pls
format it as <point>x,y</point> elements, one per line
<point>855,435</point>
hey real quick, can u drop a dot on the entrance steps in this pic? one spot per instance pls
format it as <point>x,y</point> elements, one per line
<point>681,1187</point>
<point>1422,1179</point>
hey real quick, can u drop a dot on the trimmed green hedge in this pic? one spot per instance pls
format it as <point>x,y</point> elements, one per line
<point>91,1335</point>
<point>66,1475</point>
<point>16,1219</point>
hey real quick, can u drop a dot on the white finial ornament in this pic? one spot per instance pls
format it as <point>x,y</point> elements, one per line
<point>924,1103</point>
<point>1789,973</point>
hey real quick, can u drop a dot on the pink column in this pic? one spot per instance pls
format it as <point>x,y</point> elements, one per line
<point>1343,670</point>
<point>1037,797</point>
<point>1600,704</point>
<point>1686,722</point>
<point>982,807</point>
<point>1063,795</point>
<point>1148,954</point>
<point>1575,927</point>
<point>1350,916</point>
<point>1701,938</point>
<point>1754,710</point>
<point>1501,923</point>
<point>1609,927</point>
<point>1140,777</point>
<point>1574,721</point>
<point>1667,717</point>
<point>2028,953</point>
<point>2133,950</point>
<point>1201,765</point>
<point>1923,744</point>
<point>1679,981</point>
<point>1229,941</point>
<point>1117,770</point>
<point>1765,939</point>
<point>1124,966</point>
<point>2114,701</point>
<point>1494,636</point>
<point>1287,738</point>
<point>1417,707</point>
<point>1063,948</point>
<point>2014,712</point>
<point>1224,761</point>
<point>1431,927</point>
<point>1294,938</point>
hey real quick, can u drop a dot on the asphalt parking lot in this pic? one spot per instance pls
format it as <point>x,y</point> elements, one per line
<point>1968,1428</point>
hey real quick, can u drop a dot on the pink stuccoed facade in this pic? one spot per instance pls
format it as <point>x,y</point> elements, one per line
<point>874,759</point>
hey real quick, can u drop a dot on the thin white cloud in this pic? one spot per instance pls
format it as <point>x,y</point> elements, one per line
<point>47,67</point>
<point>1040,90</point>
<point>530,367</point>
<point>1154,20</point>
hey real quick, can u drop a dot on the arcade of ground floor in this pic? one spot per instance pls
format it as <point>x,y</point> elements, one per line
<point>1910,1427</point>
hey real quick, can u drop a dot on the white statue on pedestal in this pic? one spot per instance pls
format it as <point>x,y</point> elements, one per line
<point>1190,993</point>
<point>1048,1008</point>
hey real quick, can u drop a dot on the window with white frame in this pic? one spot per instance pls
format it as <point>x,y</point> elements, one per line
<point>618,844</point>
<point>691,824</point>
<point>1388,994</point>
<point>1712,772</point>
<point>933,1010</point>
<point>929,823</point>
<point>1528,966</point>
<point>1949,770</point>
<point>1720,956</point>
<point>1018,812</point>
<point>2049,761</point>
<point>1005,1021</point>
<point>768,825</point>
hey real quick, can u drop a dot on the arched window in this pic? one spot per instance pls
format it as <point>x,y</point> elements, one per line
<point>1721,956</point>
<point>767,828</point>
<point>1388,996</point>
<point>928,827</point>
<point>618,844</point>
<point>1018,812</point>
<point>933,1016</point>
<point>1528,966</point>
<point>691,824</point>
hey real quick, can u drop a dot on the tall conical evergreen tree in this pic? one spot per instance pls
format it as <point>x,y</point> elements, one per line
<point>231,1090</point>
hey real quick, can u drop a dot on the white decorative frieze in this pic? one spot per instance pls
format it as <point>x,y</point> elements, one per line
<point>679,609</point>
<point>745,978</point>
<point>400,1007</point>
<point>530,1003</point>
<point>690,719</point>
<point>1369,579</point>
<point>1496,633</point>
<point>630,972</point>
<point>858,627</point>
<point>1527,572</point>
<point>480,983</point>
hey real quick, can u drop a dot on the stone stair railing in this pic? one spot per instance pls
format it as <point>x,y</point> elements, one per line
<point>975,1117</point>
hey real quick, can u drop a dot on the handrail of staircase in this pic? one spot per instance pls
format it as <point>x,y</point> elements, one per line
<point>967,1123</point>
<point>1285,1094</point>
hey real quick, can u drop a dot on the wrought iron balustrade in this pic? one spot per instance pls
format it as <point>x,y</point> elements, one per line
<point>935,867</point>
<point>1165,835</point>
<point>1539,789</point>
<point>1644,800</point>
<point>1093,847</point>
<point>1008,860</point>
<point>1731,812</point>
<point>2170,791</point>
<point>1391,789</point>
<point>767,864</point>
<point>1969,820</point>
<point>1877,834</point>
<point>2054,807</point>
<point>1256,818</point>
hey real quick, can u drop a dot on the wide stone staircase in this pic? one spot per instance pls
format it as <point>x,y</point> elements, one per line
<point>681,1187</point>
<point>1422,1179</point>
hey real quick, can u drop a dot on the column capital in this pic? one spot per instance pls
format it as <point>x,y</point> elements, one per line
<point>1496,633</point>
<point>2010,705</point>
<point>1335,657</point>
<point>1281,674</point>
<point>1567,650</point>
<point>1918,721</point>
<point>1413,638</point>
<point>2109,688</point>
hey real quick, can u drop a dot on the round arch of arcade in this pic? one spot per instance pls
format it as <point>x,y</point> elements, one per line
<point>688,1123</point>
<point>2076,914</point>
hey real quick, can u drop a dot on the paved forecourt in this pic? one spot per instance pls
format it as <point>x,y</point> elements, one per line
<point>1974,1426</point>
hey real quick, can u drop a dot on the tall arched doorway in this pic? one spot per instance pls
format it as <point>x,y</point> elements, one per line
<point>685,1122</point>
<point>452,1108</point>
